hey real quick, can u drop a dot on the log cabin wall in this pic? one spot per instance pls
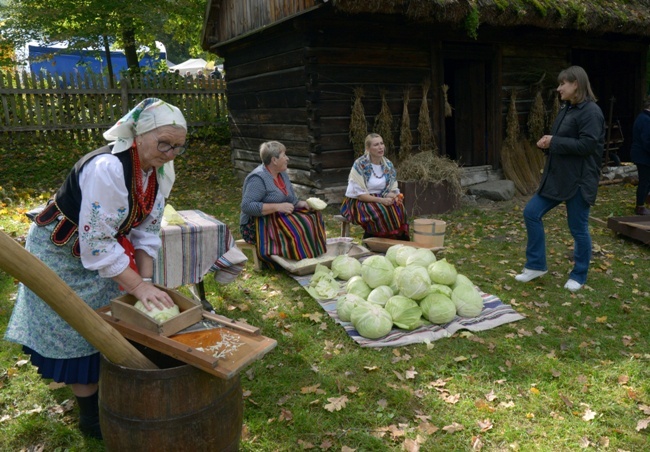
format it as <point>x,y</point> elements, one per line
<point>294,81</point>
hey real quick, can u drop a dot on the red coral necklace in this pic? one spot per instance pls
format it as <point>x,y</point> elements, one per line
<point>145,200</point>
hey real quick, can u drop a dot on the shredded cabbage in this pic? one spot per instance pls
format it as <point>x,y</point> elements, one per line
<point>159,315</point>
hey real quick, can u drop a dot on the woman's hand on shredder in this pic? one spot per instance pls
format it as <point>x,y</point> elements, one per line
<point>150,296</point>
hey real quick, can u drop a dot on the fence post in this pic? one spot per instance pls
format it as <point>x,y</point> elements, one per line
<point>124,94</point>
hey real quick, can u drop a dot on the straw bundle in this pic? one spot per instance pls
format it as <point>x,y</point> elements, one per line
<point>448,109</point>
<point>358,124</point>
<point>536,118</point>
<point>427,167</point>
<point>514,158</point>
<point>405,135</point>
<point>555,109</point>
<point>427,142</point>
<point>384,126</point>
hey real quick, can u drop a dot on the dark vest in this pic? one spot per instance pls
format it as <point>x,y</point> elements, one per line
<point>66,204</point>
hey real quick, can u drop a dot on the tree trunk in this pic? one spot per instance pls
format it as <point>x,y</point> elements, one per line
<point>130,50</point>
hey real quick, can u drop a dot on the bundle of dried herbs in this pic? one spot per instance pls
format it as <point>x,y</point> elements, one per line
<point>427,141</point>
<point>405,135</point>
<point>384,126</point>
<point>358,124</point>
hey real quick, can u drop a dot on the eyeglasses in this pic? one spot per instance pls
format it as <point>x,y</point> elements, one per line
<point>176,150</point>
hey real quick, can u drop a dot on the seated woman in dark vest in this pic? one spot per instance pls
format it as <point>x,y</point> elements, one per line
<point>272,216</point>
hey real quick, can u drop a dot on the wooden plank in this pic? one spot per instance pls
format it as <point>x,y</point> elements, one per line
<point>287,78</point>
<point>254,156</point>
<point>232,324</point>
<point>297,148</point>
<point>284,98</point>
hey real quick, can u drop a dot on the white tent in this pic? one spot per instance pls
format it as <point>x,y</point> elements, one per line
<point>193,65</point>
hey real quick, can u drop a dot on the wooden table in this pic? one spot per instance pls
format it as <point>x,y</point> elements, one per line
<point>191,250</point>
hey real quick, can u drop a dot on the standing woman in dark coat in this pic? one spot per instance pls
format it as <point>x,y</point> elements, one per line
<point>573,161</point>
<point>640,153</point>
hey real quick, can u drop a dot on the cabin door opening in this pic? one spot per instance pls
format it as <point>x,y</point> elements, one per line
<point>466,131</point>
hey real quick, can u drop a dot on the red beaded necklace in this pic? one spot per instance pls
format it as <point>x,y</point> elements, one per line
<point>145,200</point>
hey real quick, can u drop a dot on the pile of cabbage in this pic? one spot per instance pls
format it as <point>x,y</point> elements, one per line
<point>406,288</point>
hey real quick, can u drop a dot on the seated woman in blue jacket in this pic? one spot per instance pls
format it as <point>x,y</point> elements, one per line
<point>272,216</point>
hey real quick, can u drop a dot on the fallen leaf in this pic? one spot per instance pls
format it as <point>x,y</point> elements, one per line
<point>623,379</point>
<point>485,425</point>
<point>304,445</point>
<point>336,403</point>
<point>285,415</point>
<point>453,427</point>
<point>410,445</point>
<point>642,424</point>
<point>589,415</point>
<point>490,396</point>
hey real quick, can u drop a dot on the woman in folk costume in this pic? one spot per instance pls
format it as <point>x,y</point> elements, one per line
<point>372,199</point>
<point>272,216</point>
<point>100,234</point>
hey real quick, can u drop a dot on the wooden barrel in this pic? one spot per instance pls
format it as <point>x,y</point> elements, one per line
<point>429,233</point>
<point>179,408</point>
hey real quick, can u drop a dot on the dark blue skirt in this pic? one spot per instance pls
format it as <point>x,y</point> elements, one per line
<point>83,370</point>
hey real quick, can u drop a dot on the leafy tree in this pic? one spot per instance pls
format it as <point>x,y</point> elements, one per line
<point>95,24</point>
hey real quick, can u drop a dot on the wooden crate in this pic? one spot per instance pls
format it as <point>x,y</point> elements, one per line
<point>122,308</point>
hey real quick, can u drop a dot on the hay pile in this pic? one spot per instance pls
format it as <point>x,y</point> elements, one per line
<point>358,124</point>
<point>427,167</point>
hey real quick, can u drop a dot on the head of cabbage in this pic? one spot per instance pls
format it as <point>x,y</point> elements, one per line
<point>380,295</point>
<point>371,321</point>
<point>406,313</point>
<point>468,300</point>
<point>414,282</point>
<point>421,257</point>
<point>159,315</point>
<point>403,253</point>
<point>442,272</point>
<point>391,253</point>
<point>377,271</point>
<point>462,279</point>
<point>346,303</point>
<point>438,308</point>
<point>345,267</point>
<point>358,286</point>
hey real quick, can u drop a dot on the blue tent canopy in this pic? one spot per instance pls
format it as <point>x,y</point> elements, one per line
<point>64,61</point>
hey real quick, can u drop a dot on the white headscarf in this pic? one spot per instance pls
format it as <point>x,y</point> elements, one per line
<point>149,114</point>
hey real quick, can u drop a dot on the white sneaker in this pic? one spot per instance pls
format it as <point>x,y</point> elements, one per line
<point>529,275</point>
<point>573,285</point>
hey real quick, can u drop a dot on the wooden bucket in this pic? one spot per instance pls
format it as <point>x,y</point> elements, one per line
<point>429,233</point>
<point>179,408</point>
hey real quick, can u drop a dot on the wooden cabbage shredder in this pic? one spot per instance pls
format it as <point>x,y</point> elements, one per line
<point>212,343</point>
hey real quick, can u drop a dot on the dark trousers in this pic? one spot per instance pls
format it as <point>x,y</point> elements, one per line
<point>643,188</point>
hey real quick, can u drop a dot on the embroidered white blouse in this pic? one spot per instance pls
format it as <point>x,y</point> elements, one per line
<point>104,207</point>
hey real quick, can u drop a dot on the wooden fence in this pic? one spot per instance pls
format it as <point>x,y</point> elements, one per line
<point>83,106</point>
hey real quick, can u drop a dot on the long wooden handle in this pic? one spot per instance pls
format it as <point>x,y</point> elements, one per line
<point>31,271</point>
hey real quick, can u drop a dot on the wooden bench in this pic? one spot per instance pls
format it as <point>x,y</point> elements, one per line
<point>244,245</point>
<point>345,225</point>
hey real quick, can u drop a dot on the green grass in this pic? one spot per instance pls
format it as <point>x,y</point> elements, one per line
<point>528,385</point>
